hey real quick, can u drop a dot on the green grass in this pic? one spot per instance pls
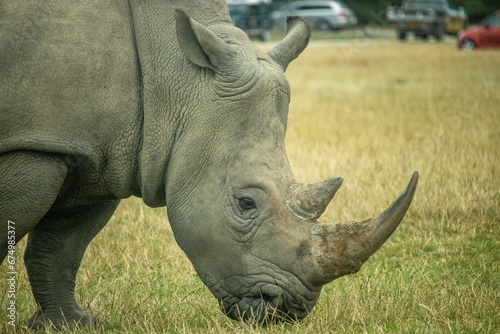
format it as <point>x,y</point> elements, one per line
<point>372,113</point>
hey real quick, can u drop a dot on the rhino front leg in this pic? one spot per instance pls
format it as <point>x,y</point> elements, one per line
<point>53,255</point>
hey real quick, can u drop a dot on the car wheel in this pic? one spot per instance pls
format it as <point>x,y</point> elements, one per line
<point>467,44</point>
<point>402,35</point>
<point>422,36</point>
<point>322,25</point>
<point>439,34</point>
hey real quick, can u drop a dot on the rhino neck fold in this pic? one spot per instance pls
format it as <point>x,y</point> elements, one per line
<point>156,144</point>
<point>164,68</point>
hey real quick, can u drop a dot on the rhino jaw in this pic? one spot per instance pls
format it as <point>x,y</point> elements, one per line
<point>341,249</point>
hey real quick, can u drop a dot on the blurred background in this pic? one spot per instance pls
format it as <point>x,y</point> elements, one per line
<point>402,19</point>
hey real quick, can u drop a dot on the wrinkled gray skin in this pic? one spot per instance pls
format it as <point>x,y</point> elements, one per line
<point>102,100</point>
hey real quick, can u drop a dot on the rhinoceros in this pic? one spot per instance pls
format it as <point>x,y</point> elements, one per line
<point>167,101</point>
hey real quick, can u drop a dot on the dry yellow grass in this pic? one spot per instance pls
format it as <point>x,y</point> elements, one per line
<point>372,113</point>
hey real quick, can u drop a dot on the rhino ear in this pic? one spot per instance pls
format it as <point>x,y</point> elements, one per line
<point>297,37</point>
<point>201,46</point>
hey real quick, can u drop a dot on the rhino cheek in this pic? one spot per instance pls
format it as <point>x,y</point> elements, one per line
<point>261,278</point>
<point>260,269</point>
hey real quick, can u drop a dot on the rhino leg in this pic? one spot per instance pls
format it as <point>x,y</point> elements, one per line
<point>29,185</point>
<point>53,255</point>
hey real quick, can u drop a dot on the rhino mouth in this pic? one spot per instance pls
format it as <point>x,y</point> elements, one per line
<point>266,304</point>
<point>263,309</point>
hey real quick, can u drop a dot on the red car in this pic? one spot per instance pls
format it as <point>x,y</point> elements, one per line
<point>484,35</point>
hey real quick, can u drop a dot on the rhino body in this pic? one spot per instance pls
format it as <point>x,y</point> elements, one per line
<point>168,101</point>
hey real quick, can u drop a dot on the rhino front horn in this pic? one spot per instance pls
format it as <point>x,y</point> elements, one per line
<point>341,249</point>
<point>309,201</point>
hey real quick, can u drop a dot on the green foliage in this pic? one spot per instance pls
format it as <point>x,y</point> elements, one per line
<point>368,11</point>
<point>371,112</point>
<point>477,10</point>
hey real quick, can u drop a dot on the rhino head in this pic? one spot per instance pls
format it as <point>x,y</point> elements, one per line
<point>250,230</point>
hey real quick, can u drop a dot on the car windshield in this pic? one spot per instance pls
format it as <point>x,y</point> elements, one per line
<point>427,4</point>
<point>493,19</point>
<point>237,9</point>
<point>312,7</point>
<point>241,9</point>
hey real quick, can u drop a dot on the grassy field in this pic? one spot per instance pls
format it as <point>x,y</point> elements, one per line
<point>371,112</point>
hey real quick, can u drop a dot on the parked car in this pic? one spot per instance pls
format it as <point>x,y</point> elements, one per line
<point>322,15</point>
<point>252,16</point>
<point>484,35</point>
<point>425,18</point>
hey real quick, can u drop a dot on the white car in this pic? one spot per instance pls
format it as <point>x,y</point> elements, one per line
<point>322,15</point>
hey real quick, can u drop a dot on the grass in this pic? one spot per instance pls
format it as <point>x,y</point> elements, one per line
<point>371,112</point>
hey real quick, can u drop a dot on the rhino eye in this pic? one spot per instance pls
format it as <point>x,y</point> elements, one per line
<point>246,203</point>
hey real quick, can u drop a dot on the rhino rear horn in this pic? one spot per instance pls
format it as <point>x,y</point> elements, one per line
<point>309,201</point>
<point>297,37</point>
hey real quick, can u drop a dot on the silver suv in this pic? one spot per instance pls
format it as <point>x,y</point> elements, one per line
<point>322,15</point>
